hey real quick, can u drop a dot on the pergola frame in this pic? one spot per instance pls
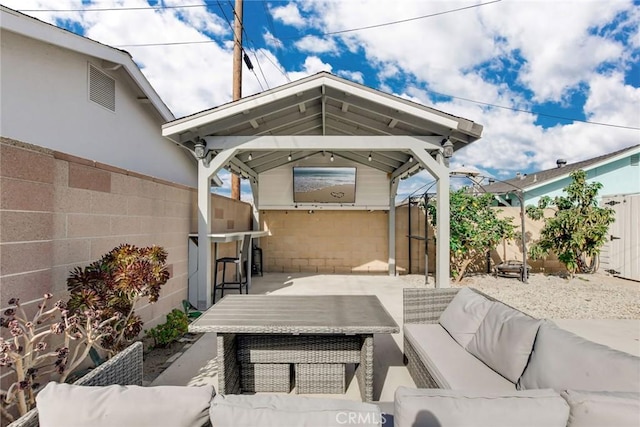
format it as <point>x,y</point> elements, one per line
<point>300,120</point>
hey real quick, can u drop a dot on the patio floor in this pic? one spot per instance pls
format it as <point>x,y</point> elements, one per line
<point>197,365</point>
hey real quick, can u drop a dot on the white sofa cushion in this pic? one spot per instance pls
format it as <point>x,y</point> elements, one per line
<point>504,340</point>
<point>603,408</point>
<point>451,365</point>
<point>562,360</point>
<point>463,315</point>
<point>284,410</point>
<point>85,406</point>
<point>447,408</point>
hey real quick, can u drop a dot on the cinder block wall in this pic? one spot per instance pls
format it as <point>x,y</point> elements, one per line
<point>325,242</point>
<point>59,211</point>
<point>504,251</point>
<point>345,242</point>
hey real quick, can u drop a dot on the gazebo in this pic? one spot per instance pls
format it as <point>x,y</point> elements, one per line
<point>316,121</point>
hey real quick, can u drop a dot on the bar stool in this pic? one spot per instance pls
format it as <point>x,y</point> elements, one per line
<point>240,276</point>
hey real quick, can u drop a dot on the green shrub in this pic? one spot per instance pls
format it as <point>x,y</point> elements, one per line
<point>579,227</point>
<point>113,285</point>
<point>176,326</point>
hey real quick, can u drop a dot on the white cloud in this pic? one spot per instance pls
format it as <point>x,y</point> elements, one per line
<point>553,48</point>
<point>312,65</point>
<point>554,38</point>
<point>271,41</point>
<point>354,76</point>
<point>47,5</point>
<point>288,15</point>
<point>313,44</point>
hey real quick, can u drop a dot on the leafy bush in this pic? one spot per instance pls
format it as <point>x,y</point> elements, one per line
<point>474,226</point>
<point>114,284</point>
<point>579,226</point>
<point>176,326</point>
<point>28,351</point>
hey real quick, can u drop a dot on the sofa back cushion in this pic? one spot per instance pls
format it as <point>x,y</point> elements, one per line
<point>562,360</point>
<point>504,340</point>
<point>284,410</point>
<point>447,408</point>
<point>85,406</point>
<point>463,315</point>
<point>602,408</point>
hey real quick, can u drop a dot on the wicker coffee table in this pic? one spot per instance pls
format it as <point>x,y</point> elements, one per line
<point>266,340</point>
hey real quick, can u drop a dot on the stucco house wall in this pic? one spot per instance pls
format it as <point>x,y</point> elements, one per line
<point>45,101</point>
<point>621,176</point>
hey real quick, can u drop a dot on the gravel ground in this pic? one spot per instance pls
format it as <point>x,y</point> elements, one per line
<point>586,296</point>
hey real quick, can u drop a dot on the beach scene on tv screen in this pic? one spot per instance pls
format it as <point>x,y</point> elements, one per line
<point>324,185</point>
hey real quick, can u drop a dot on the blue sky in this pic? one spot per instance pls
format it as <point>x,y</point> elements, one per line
<point>531,72</point>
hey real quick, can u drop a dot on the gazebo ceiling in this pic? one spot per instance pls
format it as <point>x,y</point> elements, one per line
<point>322,104</point>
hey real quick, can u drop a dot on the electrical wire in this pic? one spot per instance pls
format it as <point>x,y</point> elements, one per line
<point>251,42</point>
<point>573,119</point>
<point>235,40</point>
<point>521,110</point>
<point>400,21</point>
<point>112,9</point>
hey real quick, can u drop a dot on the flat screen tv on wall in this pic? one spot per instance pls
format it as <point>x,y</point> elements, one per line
<point>324,184</point>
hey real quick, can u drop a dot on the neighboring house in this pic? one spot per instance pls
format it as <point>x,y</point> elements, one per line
<point>83,164</point>
<point>71,94</point>
<point>619,174</point>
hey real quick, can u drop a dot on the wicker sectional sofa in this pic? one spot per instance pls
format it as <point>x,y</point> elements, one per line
<point>476,362</point>
<point>117,398</point>
<point>472,356</point>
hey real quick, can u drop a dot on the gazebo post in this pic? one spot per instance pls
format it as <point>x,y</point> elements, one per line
<point>440,172</point>
<point>393,190</point>
<point>205,171</point>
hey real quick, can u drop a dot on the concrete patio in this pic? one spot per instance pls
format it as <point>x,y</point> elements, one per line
<point>197,365</point>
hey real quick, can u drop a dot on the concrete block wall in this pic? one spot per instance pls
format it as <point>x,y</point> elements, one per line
<point>504,251</point>
<point>344,242</point>
<point>325,242</point>
<point>58,212</point>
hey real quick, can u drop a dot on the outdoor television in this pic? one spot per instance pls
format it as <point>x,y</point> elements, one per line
<point>324,184</point>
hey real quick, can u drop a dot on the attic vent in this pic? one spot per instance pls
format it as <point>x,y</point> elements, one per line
<point>635,160</point>
<point>102,88</point>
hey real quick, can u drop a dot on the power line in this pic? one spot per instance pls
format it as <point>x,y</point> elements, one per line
<point>251,42</point>
<point>112,9</point>
<point>325,34</point>
<point>401,21</point>
<point>520,110</point>
<point>246,59</point>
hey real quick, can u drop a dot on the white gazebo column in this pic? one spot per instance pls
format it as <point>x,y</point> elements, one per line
<point>443,232</point>
<point>393,190</point>
<point>205,172</point>
<point>441,173</point>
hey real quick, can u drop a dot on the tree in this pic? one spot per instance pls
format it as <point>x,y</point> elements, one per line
<point>475,228</point>
<point>579,226</point>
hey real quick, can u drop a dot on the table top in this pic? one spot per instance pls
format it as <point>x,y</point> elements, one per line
<point>297,314</point>
<point>233,236</point>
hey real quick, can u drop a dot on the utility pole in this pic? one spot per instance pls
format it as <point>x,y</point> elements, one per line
<point>237,79</point>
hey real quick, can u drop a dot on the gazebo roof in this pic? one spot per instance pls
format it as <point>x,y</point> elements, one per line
<point>323,104</point>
